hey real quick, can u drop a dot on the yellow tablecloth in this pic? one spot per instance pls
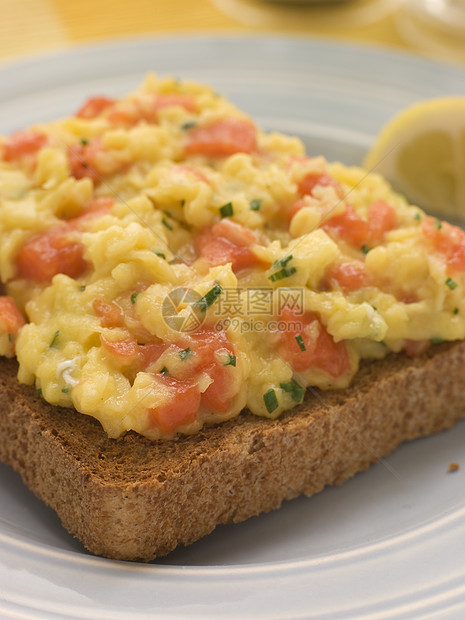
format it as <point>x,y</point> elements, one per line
<point>31,26</point>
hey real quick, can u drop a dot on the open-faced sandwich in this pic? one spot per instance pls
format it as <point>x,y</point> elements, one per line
<point>207,321</point>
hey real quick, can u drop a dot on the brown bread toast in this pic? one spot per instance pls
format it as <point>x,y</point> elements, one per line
<point>135,499</point>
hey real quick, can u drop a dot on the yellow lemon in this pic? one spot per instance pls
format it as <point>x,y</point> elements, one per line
<point>421,151</point>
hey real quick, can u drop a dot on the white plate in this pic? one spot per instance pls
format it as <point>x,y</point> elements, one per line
<point>388,544</point>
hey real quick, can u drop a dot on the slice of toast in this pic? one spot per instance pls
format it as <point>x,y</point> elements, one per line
<point>134,499</point>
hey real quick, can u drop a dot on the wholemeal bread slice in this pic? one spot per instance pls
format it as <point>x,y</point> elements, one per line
<point>136,499</point>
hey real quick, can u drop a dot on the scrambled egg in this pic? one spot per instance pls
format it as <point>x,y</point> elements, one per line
<point>167,264</point>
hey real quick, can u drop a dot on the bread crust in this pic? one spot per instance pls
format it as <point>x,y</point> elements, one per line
<point>136,499</point>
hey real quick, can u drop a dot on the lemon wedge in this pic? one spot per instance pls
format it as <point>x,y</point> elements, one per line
<point>421,152</point>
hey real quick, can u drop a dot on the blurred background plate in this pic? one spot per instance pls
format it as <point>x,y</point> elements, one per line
<point>302,14</point>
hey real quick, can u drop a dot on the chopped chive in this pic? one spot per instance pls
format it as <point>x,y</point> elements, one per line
<point>436,340</point>
<point>294,389</point>
<point>163,370</point>
<point>365,249</point>
<point>54,339</point>
<point>438,224</point>
<point>65,390</point>
<point>375,308</point>
<point>166,223</point>
<point>188,125</point>
<point>456,311</point>
<point>271,400</point>
<point>232,361</point>
<point>10,338</point>
<point>39,391</point>
<point>451,283</point>
<point>282,262</point>
<point>183,202</point>
<point>286,272</point>
<point>134,297</point>
<point>255,204</point>
<point>227,210</point>
<point>186,353</point>
<point>417,216</point>
<point>300,342</point>
<point>209,298</point>
<point>82,287</point>
<point>160,254</point>
<point>84,141</point>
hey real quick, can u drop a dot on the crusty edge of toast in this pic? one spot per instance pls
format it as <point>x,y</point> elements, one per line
<point>133,499</point>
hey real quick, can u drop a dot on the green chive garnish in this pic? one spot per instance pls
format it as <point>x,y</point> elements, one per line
<point>282,262</point>
<point>300,342</point>
<point>39,391</point>
<point>226,210</point>
<point>166,223</point>
<point>451,283</point>
<point>255,204</point>
<point>294,389</point>
<point>160,254</point>
<point>84,141</point>
<point>286,272</point>
<point>163,370</point>
<point>438,224</point>
<point>65,390</point>
<point>365,249</point>
<point>209,298</point>
<point>417,216</point>
<point>134,297</point>
<point>232,361</point>
<point>186,353</point>
<point>188,125</point>
<point>456,310</point>
<point>54,339</point>
<point>436,340</point>
<point>271,400</point>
